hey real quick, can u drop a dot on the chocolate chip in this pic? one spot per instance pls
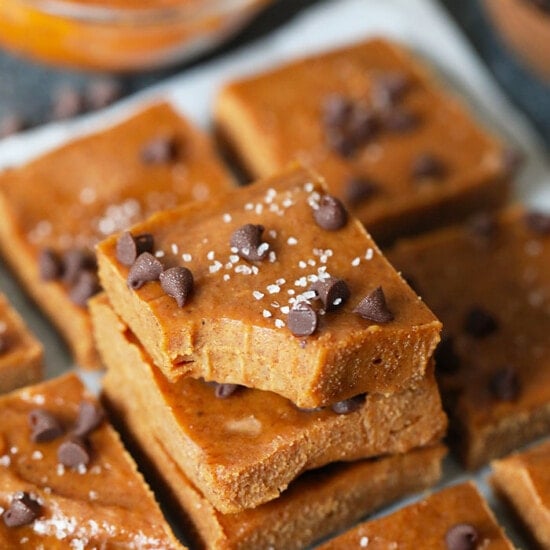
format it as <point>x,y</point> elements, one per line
<point>389,88</point>
<point>145,268</point>
<point>73,453</point>
<point>50,265</point>
<point>482,225</point>
<point>302,319</point>
<point>223,391</point>
<point>373,307</point>
<point>160,150</point>
<point>512,160</point>
<point>336,110</point>
<point>462,536</point>
<point>479,323</point>
<point>247,240</point>
<point>348,405</point>
<point>128,247</point>
<point>67,103</point>
<point>102,92</point>
<point>446,359</point>
<point>22,510</point>
<point>538,223</point>
<point>348,125</point>
<point>177,282</point>
<point>11,124</point>
<point>427,165</point>
<point>75,261</point>
<point>359,189</point>
<point>332,292</point>
<point>504,384</point>
<point>89,418</point>
<point>86,286</point>
<point>401,121</point>
<point>44,426</point>
<point>330,214</point>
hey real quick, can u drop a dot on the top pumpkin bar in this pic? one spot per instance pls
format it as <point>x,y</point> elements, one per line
<point>404,155</point>
<point>54,209</point>
<point>289,295</point>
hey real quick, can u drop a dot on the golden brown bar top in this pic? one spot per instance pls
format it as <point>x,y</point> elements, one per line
<point>44,503</point>
<point>60,204</point>
<point>447,520</point>
<point>236,325</point>
<point>401,151</point>
<point>489,282</point>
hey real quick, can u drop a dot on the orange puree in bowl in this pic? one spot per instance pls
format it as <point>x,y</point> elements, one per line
<point>118,34</point>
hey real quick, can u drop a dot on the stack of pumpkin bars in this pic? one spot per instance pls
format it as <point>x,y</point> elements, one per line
<point>324,404</point>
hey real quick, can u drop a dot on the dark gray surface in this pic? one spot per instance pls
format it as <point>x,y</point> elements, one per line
<point>528,93</point>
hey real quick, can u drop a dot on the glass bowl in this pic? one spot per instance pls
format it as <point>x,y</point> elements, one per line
<point>120,35</point>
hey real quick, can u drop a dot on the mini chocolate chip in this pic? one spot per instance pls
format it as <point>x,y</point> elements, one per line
<point>482,225</point>
<point>336,110</point>
<point>373,307</point>
<point>348,125</point>
<point>223,391</point>
<point>462,536</point>
<point>67,103</point>
<point>160,150</point>
<point>102,92</point>
<point>446,359</point>
<point>44,426</point>
<point>538,223</point>
<point>11,124</point>
<point>50,265</point>
<point>89,418</point>
<point>427,165</point>
<point>389,88</point>
<point>330,214</point>
<point>145,268</point>
<point>359,189</point>
<point>362,125</point>
<point>22,510</point>
<point>128,247</point>
<point>302,319</point>
<point>75,261</point>
<point>86,286</point>
<point>332,292</point>
<point>177,282</point>
<point>73,453</point>
<point>480,323</point>
<point>248,242</point>
<point>401,121</point>
<point>504,384</point>
<point>348,406</point>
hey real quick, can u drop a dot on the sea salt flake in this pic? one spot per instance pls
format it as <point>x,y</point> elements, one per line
<point>369,254</point>
<point>273,289</point>
<point>356,261</point>
<point>291,241</point>
<point>257,294</point>
<point>227,218</point>
<point>279,323</point>
<point>266,313</point>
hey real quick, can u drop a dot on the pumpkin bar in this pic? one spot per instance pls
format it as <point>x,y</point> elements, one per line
<point>242,447</point>
<point>524,480</point>
<point>66,480</point>
<point>54,209</point>
<point>20,353</point>
<point>489,282</point>
<point>391,142</point>
<point>234,292</point>
<point>318,503</point>
<point>455,518</point>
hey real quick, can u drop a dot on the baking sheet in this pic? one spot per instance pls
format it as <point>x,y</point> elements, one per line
<point>421,24</point>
